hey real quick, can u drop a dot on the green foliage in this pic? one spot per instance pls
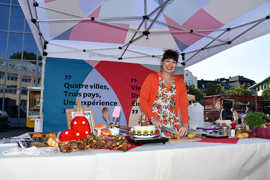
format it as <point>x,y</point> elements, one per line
<point>266,94</point>
<point>239,91</point>
<point>196,92</point>
<point>256,119</point>
<point>26,55</point>
<point>214,89</point>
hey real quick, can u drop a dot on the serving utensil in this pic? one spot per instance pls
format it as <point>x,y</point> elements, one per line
<point>116,114</point>
<point>105,113</point>
<point>166,129</point>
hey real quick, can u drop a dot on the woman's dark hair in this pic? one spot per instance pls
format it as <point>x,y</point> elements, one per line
<point>170,54</point>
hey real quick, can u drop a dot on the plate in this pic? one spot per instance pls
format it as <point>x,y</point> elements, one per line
<point>144,137</point>
<point>215,136</point>
<point>156,139</point>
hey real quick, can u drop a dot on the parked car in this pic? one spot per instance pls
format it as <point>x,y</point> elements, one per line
<point>4,123</point>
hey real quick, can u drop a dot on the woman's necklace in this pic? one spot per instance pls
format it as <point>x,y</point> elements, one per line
<point>167,80</point>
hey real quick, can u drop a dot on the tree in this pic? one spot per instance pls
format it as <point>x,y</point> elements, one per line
<point>214,89</point>
<point>266,94</point>
<point>26,55</point>
<point>239,91</point>
<point>196,92</point>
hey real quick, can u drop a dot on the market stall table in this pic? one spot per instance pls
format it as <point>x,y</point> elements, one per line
<point>248,159</point>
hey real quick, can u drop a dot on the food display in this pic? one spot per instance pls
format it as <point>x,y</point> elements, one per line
<point>242,135</point>
<point>143,131</point>
<point>118,142</point>
<point>191,135</point>
<point>72,146</point>
<point>39,139</point>
<point>83,135</point>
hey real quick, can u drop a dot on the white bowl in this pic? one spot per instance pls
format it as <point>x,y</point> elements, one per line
<point>114,131</point>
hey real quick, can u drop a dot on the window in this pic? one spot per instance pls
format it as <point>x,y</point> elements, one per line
<point>16,23</point>
<point>14,43</point>
<point>4,13</point>
<point>5,2</point>
<point>26,79</point>
<point>12,89</point>
<point>16,37</point>
<point>3,43</point>
<point>2,75</point>
<point>12,77</point>
<point>24,91</point>
<point>27,29</point>
<point>37,81</point>
<point>15,2</point>
<point>29,45</point>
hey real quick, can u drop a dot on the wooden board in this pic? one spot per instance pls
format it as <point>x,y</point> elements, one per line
<point>79,110</point>
<point>184,139</point>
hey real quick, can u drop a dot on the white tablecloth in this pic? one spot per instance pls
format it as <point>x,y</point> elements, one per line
<point>247,160</point>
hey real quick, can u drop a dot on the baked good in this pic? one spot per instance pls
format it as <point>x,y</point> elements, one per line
<point>37,135</point>
<point>106,131</point>
<point>100,126</point>
<point>51,134</point>
<point>52,142</point>
<point>143,131</point>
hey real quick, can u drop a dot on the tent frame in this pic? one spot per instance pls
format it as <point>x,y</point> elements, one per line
<point>138,33</point>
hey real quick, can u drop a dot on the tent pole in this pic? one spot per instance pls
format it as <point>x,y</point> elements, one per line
<point>205,47</point>
<point>42,93</point>
<point>160,7</point>
<point>194,31</point>
<point>36,25</point>
<point>145,14</point>
<point>132,39</point>
<point>252,22</point>
<point>247,30</point>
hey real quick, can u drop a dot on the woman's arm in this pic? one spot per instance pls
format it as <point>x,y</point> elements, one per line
<point>183,102</point>
<point>145,95</point>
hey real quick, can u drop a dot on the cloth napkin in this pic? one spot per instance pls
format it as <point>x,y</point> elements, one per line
<point>219,140</point>
<point>21,151</point>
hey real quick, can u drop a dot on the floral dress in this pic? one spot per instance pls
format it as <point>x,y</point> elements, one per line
<point>164,108</point>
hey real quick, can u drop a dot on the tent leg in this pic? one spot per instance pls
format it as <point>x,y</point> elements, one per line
<point>41,94</point>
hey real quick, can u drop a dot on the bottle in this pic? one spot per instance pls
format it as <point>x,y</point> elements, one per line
<point>232,134</point>
<point>238,130</point>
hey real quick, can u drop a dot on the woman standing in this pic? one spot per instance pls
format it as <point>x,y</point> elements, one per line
<point>163,96</point>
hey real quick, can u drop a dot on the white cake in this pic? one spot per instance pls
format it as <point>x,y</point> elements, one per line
<point>143,131</point>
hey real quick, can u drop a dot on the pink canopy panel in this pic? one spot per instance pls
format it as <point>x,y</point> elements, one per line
<point>138,31</point>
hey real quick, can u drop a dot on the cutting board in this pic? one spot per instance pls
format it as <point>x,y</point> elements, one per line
<point>184,139</point>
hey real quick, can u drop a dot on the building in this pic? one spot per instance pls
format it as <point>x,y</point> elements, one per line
<point>237,81</point>
<point>20,64</point>
<point>259,87</point>
<point>203,83</point>
<point>224,82</point>
<point>190,79</point>
<point>15,89</point>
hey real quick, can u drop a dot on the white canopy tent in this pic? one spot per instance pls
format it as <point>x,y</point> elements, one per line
<point>142,29</point>
<point>138,31</point>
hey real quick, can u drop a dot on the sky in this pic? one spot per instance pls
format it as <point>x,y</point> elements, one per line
<point>250,59</point>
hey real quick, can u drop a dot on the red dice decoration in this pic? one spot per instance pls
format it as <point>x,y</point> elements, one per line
<point>67,135</point>
<point>80,129</point>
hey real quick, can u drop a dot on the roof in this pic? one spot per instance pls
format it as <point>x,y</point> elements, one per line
<point>260,83</point>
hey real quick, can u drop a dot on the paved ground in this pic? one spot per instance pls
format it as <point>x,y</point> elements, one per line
<point>13,131</point>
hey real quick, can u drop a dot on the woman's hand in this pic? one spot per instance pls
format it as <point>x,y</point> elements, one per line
<point>183,131</point>
<point>156,123</point>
